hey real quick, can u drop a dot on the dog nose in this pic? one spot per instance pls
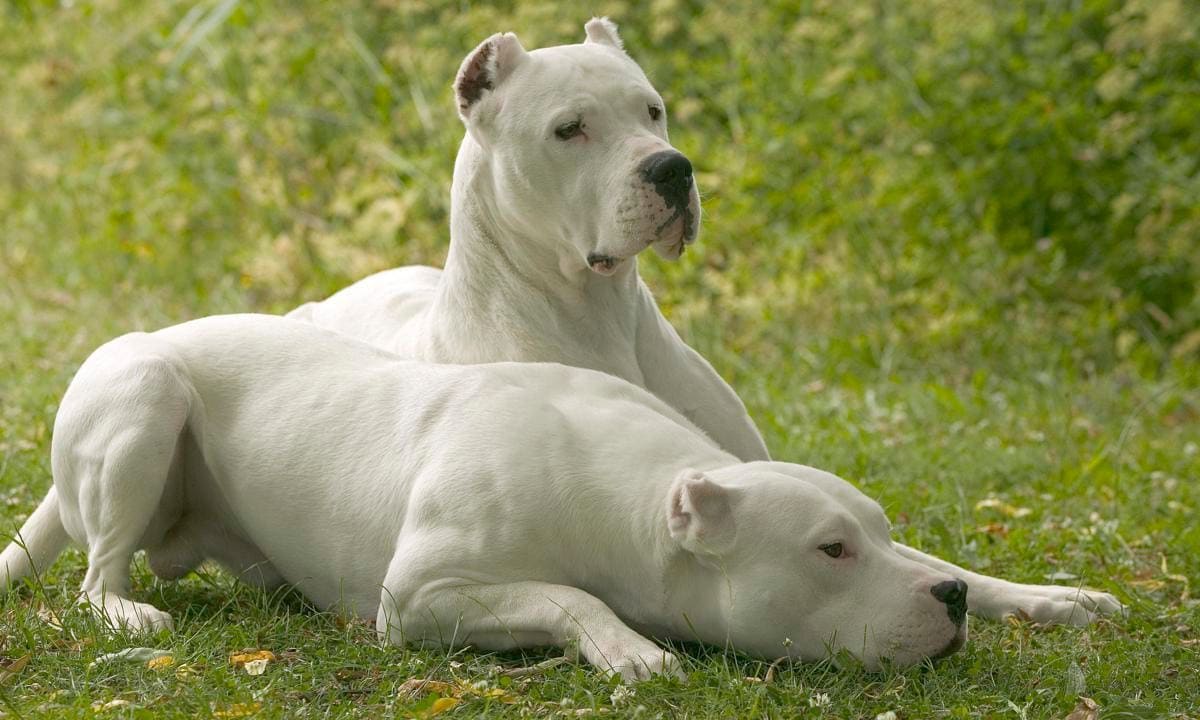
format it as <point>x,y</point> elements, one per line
<point>954,594</point>
<point>669,171</point>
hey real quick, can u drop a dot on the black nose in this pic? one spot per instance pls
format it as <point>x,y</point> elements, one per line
<point>670,173</point>
<point>954,594</point>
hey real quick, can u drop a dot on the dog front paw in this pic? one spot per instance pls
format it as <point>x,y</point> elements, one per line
<point>123,614</point>
<point>634,661</point>
<point>636,666</point>
<point>1056,605</point>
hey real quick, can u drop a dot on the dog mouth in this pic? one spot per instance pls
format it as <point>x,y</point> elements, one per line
<point>602,264</point>
<point>956,643</point>
<point>672,248</point>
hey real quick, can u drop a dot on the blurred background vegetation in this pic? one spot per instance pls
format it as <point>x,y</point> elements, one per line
<point>907,182</point>
<point>951,252</point>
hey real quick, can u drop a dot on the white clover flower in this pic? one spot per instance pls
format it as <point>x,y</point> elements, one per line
<point>621,695</point>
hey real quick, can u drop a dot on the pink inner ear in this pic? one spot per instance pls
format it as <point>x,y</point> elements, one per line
<point>679,519</point>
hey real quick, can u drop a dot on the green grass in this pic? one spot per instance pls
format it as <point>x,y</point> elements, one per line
<point>950,253</point>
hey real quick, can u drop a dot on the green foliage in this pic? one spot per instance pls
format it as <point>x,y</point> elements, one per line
<point>951,251</point>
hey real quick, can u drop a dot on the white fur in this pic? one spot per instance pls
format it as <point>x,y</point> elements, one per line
<point>528,210</point>
<point>502,505</point>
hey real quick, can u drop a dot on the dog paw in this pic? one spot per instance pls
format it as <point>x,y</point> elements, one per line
<point>126,615</point>
<point>639,662</point>
<point>643,666</point>
<point>1055,605</point>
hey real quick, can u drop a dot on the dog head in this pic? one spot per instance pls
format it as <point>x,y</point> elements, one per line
<point>577,156</point>
<point>803,566</point>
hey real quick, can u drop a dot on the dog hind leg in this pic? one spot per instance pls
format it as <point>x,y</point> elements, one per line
<point>115,449</point>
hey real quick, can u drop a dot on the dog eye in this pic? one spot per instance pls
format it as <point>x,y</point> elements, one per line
<point>566,131</point>
<point>833,550</point>
<point>655,112</point>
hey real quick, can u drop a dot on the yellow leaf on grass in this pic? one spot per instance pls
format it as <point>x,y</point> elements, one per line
<point>161,663</point>
<point>238,710</point>
<point>239,659</point>
<point>414,688</point>
<point>499,695</point>
<point>438,707</point>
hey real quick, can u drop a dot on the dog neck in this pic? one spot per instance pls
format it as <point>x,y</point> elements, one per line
<point>659,588</point>
<point>695,594</point>
<point>526,298</point>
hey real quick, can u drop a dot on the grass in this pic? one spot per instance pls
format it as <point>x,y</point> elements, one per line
<point>949,254</point>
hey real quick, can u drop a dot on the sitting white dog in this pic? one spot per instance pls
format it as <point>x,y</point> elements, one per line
<point>502,505</point>
<point>564,176</point>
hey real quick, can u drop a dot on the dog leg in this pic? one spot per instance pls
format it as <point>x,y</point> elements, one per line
<point>994,599</point>
<point>683,379</point>
<point>521,614</point>
<point>115,445</point>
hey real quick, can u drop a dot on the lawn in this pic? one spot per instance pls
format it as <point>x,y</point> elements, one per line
<point>951,252</point>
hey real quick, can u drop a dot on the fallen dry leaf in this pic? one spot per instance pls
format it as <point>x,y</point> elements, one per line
<point>1150,584</point>
<point>414,688</point>
<point>239,659</point>
<point>497,694</point>
<point>1018,617</point>
<point>438,707</point>
<point>161,662</point>
<point>998,529</point>
<point>770,676</point>
<point>997,504</point>
<point>1086,709</point>
<point>111,704</point>
<point>11,670</point>
<point>256,667</point>
<point>50,617</point>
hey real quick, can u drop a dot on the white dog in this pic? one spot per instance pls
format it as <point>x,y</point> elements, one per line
<point>502,505</point>
<point>564,176</point>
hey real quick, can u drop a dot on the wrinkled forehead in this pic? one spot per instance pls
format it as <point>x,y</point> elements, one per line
<point>580,73</point>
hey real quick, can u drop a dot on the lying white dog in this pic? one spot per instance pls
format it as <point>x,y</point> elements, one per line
<point>502,505</point>
<point>564,176</point>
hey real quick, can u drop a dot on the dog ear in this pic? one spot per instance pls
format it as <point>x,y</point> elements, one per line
<point>699,515</point>
<point>485,68</point>
<point>604,31</point>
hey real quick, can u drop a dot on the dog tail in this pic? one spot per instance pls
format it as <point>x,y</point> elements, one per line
<point>39,542</point>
